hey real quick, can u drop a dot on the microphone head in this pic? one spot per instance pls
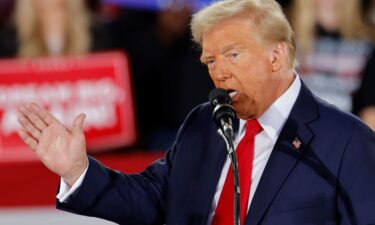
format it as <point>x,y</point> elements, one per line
<point>221,104</point>
<point>219,95</point>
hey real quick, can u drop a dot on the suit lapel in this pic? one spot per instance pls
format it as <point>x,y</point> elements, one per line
<point>292,142</point>
<point>213,158</point>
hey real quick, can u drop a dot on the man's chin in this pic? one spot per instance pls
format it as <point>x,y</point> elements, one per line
<point>239,113</point>
<point>243,115</point>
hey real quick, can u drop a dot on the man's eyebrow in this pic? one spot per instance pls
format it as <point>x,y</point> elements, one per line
<point>204,57</point>
<point>229,47</point>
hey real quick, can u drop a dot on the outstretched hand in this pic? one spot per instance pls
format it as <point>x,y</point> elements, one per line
<point>61,149</point>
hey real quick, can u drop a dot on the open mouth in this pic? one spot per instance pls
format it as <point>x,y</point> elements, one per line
<point>232,93</point>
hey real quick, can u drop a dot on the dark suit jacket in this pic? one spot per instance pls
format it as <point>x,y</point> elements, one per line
<point>329,179</point>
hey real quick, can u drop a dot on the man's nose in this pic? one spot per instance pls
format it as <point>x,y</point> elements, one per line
<point>221,71</point>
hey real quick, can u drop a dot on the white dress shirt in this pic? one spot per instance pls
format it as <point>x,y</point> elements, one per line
<point>271,121</point>
<point>65,190</point>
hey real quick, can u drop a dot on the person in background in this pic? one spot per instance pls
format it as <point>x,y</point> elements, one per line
<point>336,53</point>
<point>57,27</point>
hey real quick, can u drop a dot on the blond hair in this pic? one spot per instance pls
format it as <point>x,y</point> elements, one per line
<point>267,17</point>
<point>31,44</point>
<point>350,21</point>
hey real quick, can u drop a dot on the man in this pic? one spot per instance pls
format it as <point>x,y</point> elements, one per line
<point>312,164</point>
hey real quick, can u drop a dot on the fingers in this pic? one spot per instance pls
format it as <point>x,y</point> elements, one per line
<point>78,122</point>
<point>29,127</point>
<point>47,117</point>
<point>29,141</point>
<point>33,118</point>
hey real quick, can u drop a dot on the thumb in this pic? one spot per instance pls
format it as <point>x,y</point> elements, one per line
<point>78,122</point>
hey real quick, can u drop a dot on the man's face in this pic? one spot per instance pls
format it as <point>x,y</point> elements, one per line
<point>237,63</point>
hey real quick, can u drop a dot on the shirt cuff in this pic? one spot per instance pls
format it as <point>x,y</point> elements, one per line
<point>65,191</point>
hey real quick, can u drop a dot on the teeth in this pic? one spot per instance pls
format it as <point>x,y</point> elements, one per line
<point>233,93</point>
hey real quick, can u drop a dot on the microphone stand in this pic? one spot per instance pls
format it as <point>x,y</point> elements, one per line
<point>228,139</point>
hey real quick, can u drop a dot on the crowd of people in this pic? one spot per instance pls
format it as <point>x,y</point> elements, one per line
<point>335,51</point>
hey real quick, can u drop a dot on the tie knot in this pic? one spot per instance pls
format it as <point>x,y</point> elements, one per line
<point>253,128</point>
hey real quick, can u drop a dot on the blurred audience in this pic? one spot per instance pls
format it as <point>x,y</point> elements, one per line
<point>336,53</point>
<point>168,76</point>
<point>52,27</point>
<point>335,43</point>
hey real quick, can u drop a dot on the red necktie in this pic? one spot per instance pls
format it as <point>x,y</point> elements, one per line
<point>245,153</point>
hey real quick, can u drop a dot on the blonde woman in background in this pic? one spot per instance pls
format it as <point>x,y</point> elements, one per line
<point>52,27</point>
<point>336,53</point>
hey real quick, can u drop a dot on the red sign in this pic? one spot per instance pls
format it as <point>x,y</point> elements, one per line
<point>97,85</point>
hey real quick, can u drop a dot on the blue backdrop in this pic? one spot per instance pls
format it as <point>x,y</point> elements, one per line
<point>159,4</point>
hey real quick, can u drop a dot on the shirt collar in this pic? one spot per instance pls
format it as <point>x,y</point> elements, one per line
<point>276,115</point>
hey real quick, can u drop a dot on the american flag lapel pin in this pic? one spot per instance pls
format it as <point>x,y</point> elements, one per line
<point>296,143</point>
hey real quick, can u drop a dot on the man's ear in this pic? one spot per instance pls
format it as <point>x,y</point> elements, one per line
<point>278,56</point>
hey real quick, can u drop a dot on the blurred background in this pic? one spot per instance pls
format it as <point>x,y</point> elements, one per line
<point>136,58</point>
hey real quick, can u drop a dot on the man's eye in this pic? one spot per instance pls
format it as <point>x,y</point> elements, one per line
<point>233,55</point>
<point>210,62</point>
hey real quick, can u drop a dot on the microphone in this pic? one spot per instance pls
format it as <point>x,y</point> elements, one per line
<point>223,115</point>
<point>223,112</point>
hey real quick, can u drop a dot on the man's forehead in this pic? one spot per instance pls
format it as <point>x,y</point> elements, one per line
<point>225,38</point>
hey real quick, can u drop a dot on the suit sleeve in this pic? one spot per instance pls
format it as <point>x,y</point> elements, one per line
<point>126,198</point>
<point>356,181</point>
